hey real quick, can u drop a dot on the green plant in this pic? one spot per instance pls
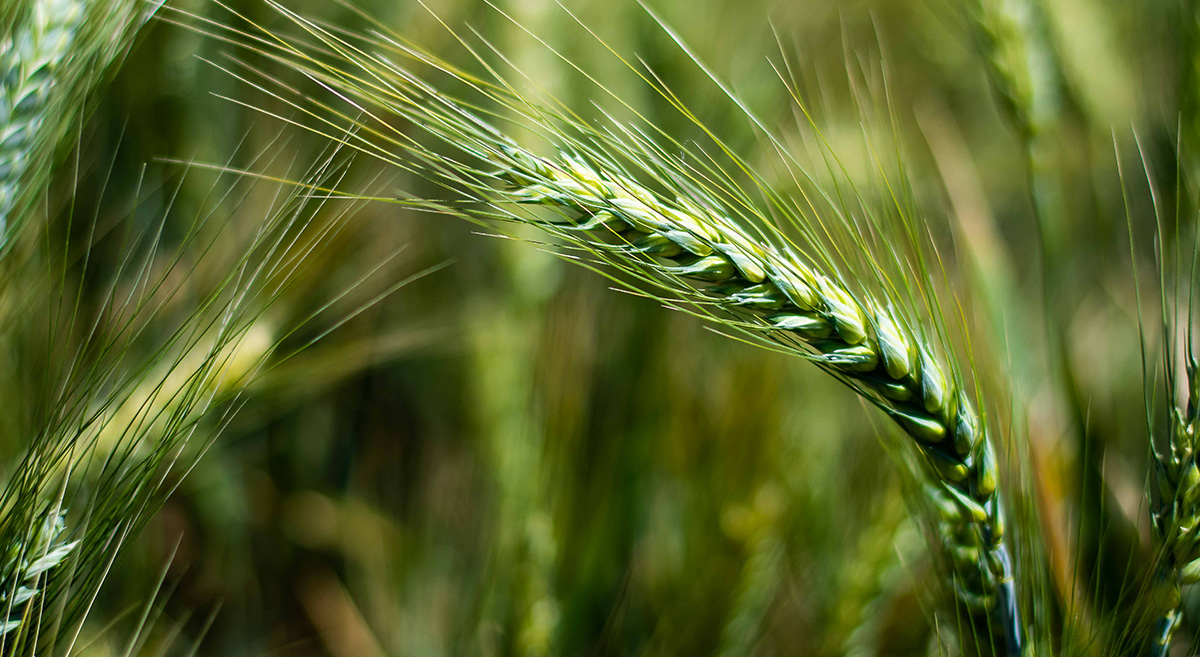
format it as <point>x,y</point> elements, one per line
<point>1175,476</point>
<point>25,564</point>
<point>793,242</point>
<point>56,55</point>
<point>703,243</point>
<point>1176,493</point>
<point>30,60</point>
<point>861,341</point>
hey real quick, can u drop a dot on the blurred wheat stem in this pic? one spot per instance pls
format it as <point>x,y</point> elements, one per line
<point>1009,35</point>
<point>1188,92</point>
<point>29,58</point>
<point>1176,516</point>
<point>1023,70</point>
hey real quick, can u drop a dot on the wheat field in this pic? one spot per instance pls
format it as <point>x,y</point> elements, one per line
<point>599,327</point>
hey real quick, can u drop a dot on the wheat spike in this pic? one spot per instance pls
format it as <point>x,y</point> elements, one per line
<point>25,562</point>
<point>29,59</point>
<point>858,339</point>
<point>1176,514</point>
<point>1022,68</point>
<point>691,248</point>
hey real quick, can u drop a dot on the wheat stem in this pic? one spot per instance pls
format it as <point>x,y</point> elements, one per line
<point>1023,69</point>
<point>1188,91</point>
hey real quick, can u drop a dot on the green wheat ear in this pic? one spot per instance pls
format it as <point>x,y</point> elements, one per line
<point>29,60</point>
<point>1175,493</point>
<point>54,55</point>
<point>725,259</point>
<point>858,339</point>
<point>26,562</point>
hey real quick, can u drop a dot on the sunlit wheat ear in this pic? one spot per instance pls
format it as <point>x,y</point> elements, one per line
<point>693,236</point>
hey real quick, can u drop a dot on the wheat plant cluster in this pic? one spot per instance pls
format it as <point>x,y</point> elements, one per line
<point>517,327</point>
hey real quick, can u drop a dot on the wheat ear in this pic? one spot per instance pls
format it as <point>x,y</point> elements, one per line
<point>25,562</point>
<point>28,61</point>
<point>1176,515</point>
<point>1002,31</point>
<point>857,339</point>
<point>689,248</point>
<point>1023,68</point>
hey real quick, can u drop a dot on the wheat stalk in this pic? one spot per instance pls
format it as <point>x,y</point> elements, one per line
<point>1187,92</point>
<point>29,60</point>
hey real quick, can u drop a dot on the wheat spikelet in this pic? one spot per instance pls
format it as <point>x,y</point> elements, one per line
<point>29,59</point>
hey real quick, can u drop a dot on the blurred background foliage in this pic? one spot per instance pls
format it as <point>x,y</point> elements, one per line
<point>506,457</point>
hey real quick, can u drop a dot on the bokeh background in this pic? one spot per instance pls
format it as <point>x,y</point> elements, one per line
<point>507,457</point>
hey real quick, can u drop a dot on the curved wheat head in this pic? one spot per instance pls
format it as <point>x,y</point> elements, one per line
<point>688,235</point>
